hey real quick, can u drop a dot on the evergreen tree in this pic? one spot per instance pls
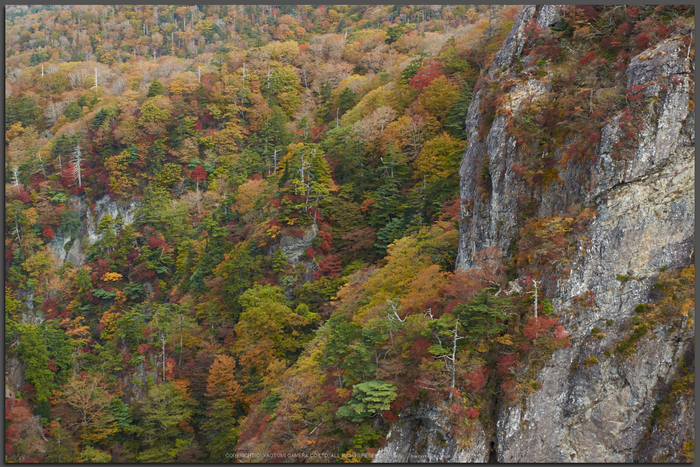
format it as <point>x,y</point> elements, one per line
<point>163,415</point>
<point>367,399</point>
<point>324,110</point>
<point>484,315</point>
<point>456,119</point>
<point>155,89</point>
<point>346,100</point>
<point>220,431</point>
<point>34,351</point>
<point>73,111</point>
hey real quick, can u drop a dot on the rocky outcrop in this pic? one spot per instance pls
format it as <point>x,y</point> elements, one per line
<point>421,437</point>
<point>88,231</point>
<point>294,247</point>
<point>14,373</point>
<point>593,414</point>
<point>57,246</point>
<point>668,443</point>
<point>644,223</point>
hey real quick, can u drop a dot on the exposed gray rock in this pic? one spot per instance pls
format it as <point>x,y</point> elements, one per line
<point>106,205</point>
<point>595,414</point>
<point>57,247</point>
<point>548,15</point>
<point>666,442</point>
<point>485,223</point>
<point>125,212</point>
<point>513,45</point>
<point>663,60</point>
<point>645,221</point>
<point>294,247</point>
<point>420,436</point>
<point>76,254</point>
<point>14,373</point>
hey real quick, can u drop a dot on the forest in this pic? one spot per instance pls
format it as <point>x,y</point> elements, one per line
<point>232,231</point>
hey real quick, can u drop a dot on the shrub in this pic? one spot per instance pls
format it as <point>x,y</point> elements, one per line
<point>367,399</point>
<point>589,361</point>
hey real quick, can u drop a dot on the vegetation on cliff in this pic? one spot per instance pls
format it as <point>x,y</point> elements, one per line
<point>176,152</point>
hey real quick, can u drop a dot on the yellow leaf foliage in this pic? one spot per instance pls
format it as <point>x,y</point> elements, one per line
<point>111,277</point>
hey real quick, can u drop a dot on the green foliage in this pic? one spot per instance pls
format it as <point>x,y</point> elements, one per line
<point>103,294</point>
<point>624,279</point>
<point>61,448</point>
<point>162,414</point>
<point>23,109</point>
<point>392,231</point>
<point>130,327</point>
<point>592,360</point>
<point>365,437</point>
<point>308,177</point>
<point>239,273</point>
<point>94,456</point>
<point>60,348</point>
<point>269,404</point>
<point>34,351</point>
<point>83,280</point>
<point>220,429</point>
<point>456,120</point>
<point>279,260</point>
<point>168,175</point>
<point>106,229</point>
<point>266,317</point>
<point>484,315</point>
<point>73,111</point>
<point>155,89</point>
<point>121,413</point>
<point>153,111</point>
<point>368,399</point>
<point>547,308</point>
<point>411,70</point>
<point>394,33</point>
<point>346,100</point>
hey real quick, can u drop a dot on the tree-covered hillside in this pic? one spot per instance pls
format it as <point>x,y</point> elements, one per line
<point>232,230</point>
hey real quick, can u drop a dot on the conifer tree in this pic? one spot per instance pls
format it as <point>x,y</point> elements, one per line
<point>156,89</point>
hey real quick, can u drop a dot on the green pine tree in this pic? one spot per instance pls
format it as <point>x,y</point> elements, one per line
<point>156,89</point>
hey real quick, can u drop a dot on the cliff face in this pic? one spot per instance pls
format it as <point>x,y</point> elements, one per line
<point>91,218</point>
<point>421,437</point>
<point>644,222</point>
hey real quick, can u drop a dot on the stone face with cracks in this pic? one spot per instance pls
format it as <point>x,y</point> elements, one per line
<point>88,229</point>
<point>644,222</point>
<point>295,247</point>
<point>421,437</point>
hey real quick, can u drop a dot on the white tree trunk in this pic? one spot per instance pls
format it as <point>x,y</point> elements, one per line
<point>76,159</point>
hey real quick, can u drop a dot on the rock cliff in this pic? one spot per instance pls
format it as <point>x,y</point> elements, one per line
<point>643,224</point>
<point>421,437</point>
<point>91,218</point>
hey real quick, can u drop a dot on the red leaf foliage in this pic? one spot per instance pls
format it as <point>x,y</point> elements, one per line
<point>476,380</point>
<point>328,267</point>
<point>419,349</point>
<point>588,58</point>
<point>507,363</point>
<point>49,232</point>
<point>537,327</point>
<point>425,75</point>
<point>473,412</point>
<point>199,173</point>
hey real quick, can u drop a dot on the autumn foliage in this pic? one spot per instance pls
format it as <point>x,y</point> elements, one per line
<point>234,228</point>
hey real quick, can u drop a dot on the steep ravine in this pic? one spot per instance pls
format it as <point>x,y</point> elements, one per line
<point>644,224</point>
